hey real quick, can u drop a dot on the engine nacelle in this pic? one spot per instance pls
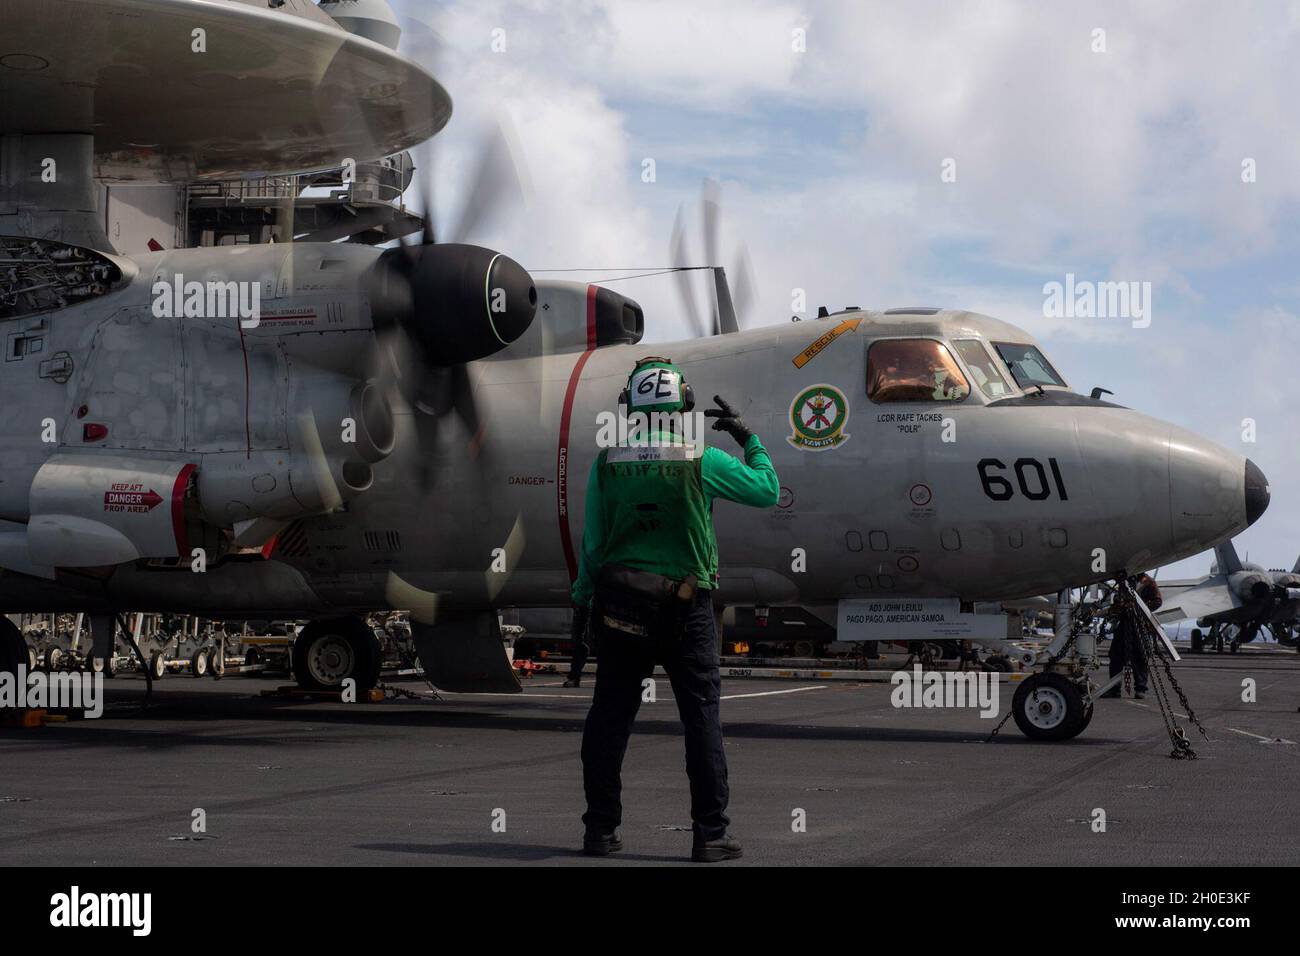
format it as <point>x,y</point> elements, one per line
<point>455,303</point>
<point>579,316</point>
<point>1250,585</point>
<point>1286,579</point>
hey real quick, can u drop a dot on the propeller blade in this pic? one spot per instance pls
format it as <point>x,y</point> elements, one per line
<point>466,407</point>
<point>677,255</point>
<point>428,231</point>
<point>742,276</point>
<point>711,216</point>
<point>711,213</point>
<point>498,186</point>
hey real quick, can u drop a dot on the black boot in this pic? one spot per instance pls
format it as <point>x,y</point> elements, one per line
<point>573,680</point>
<point>725,847</point>
<point>601,842</point>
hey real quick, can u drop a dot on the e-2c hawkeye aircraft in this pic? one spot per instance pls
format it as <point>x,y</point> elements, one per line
<point>412,428</point>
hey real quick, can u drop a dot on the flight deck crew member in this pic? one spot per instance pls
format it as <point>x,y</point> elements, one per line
<point>1123,643</point>
<point>648,569</point>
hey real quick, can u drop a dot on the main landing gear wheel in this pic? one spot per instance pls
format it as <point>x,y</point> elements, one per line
<point>13,647</point>
<point>1050,707</point>
<point>326,653</point>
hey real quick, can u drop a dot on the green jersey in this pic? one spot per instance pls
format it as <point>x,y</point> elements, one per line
<point>650,507</point>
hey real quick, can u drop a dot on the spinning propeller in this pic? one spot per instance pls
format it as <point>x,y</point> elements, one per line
<point>727,315</point>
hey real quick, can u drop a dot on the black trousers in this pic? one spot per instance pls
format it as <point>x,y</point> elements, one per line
<point>581,651</point>
<point>687,647</point>
<point>1123,645</point>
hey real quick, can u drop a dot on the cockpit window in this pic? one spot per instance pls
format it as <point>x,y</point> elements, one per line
<point>982,367</point>
<point>1028,366</point>
<point>913,370</point>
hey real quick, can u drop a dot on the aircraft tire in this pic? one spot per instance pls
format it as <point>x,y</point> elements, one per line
<point>53,658</point>
<point>199,663</point>
<point>325,653</point>
<point>13,647</point>
<point>1087,718</point>
<point>1049,707</point>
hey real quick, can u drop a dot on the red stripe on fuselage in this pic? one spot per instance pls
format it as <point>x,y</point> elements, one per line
<point>178,510</point>
<point>562,451</point>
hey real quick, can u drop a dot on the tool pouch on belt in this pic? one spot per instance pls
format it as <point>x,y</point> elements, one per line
<point>638,603</point>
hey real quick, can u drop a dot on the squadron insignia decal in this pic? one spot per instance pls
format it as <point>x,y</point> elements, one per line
<point>818,415</point>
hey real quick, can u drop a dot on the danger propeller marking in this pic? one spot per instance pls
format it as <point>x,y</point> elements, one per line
<point>131,499</point>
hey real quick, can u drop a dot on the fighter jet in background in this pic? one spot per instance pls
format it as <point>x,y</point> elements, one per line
<point>1237,601</point>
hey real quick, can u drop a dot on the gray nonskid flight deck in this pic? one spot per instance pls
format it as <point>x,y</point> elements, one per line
<point>421,782</point>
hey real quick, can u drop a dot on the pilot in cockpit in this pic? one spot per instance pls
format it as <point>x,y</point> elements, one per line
<point>914,370</point>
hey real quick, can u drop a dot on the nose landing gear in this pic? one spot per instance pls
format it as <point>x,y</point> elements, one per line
<point>1051,706</point>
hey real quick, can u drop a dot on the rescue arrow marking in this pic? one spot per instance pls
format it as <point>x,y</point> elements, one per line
<point>820,343</point>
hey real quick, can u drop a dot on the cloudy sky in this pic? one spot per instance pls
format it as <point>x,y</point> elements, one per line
<point>1123,163</point>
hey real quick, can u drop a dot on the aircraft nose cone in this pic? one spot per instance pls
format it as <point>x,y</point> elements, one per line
<point>1257,493</point>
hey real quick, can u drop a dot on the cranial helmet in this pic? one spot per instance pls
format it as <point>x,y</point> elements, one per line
<point>657,385</point>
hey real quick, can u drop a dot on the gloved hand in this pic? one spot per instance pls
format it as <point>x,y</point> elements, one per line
<point>728,420</point>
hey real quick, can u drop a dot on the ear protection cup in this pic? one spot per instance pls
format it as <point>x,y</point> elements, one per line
<point>688,398</point>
